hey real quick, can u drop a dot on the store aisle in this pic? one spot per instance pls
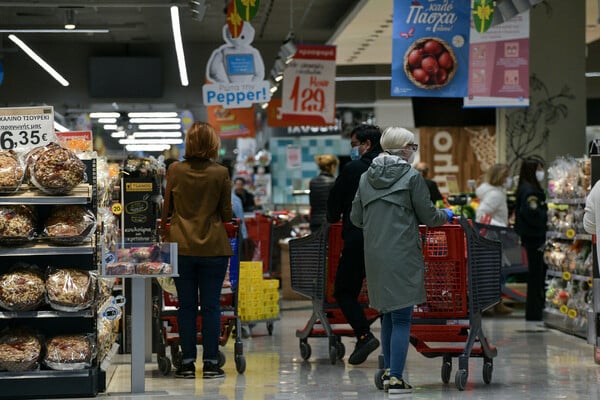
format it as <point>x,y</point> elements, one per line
<point>533,362</point>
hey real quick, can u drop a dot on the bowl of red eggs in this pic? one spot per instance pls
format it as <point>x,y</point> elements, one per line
<point>430,63</point>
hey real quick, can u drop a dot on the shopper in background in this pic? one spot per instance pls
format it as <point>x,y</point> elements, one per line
<point>391,202</point>
<point>239,188</point>
<point>434,191</point>
<point>591,216</point>
<point>319,189</point>
<point>493,209</point>
<point>199,195</point>
<point>350,275</point>
<point>531,215</point>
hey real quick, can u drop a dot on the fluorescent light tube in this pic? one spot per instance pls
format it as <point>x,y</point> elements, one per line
<point>105,115</point>
<point>147,147</point>
<point>157,134</point>
<point>59,127</point>
<point>155,120</point>
<point>54,31</point>
<point>145,127</point>
<point>110,127</point>
<point>118,134</point>
<point>39,60</point>
<point>107,120</point>
<point>179,45</point>
<point>150,141</point>
<point>152,114</point>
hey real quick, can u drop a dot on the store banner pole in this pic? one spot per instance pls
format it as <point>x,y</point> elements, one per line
<point>138,335</point>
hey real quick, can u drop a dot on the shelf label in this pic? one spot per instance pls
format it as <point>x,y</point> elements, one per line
<point>116,208</point>
<point>566,276</point>
<point>22,128</point>
<point>572,313</point>
<point>570,233</point>
<point>563,309</point>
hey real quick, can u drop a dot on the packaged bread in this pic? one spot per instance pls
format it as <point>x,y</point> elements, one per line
<point>56,170</point>
<point>120,268</point>
<point>69,289</point>
<point>69,224</point>
<point>19,351</point>
<point>17,224</point>
<point>12,171</point>
<point>145,253</point>
<point>70,352</point>
<point>153,268</point>
<point>22,289</point>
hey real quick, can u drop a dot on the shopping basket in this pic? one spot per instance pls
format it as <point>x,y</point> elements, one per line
<point>165,317</point>
<point>462,279</point>
<point>313,264</point>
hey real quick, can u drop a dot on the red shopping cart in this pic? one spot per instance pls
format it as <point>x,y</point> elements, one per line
<point>313,265</point>
<point>462,279</point>
<point>165,317</point>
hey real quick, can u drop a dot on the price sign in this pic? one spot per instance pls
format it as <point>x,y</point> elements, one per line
<point>23,128</point>
<point>309,83</point>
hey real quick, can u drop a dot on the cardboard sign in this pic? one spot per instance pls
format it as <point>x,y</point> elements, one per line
<point>22,128</point>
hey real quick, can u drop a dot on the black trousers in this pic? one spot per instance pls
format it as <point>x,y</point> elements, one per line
<point>536,281</point>
<point>348,283</point>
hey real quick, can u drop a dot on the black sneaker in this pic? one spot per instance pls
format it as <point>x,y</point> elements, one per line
<point>186,371</point>
<point>365,345</point>
<point>212,371</point>
<point>385,380</point>
<point>398,386</point>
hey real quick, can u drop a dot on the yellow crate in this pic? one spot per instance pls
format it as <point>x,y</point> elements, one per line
<point>271,283</point>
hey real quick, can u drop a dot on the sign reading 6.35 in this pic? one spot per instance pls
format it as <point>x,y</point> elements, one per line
<point>23,128</point>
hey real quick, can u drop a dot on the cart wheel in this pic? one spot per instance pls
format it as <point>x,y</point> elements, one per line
<point>246,331</point>
<point>177,359</point>
<point>240,364</point>
<point>164,365</point>
<point>460,379</point>
<point>333,354</point>
<point>305,350</point>
<point>270,328</point>
<point>446,371</point>
<point>221,358</point>
<point>488,367</point>
<point>379,379</point>
<point>341,349</point>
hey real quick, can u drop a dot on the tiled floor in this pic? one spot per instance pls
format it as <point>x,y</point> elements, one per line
<point>533,362</point>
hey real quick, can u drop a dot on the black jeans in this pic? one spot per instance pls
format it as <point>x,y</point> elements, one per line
<point>348,283</point>
<point>536,281</point>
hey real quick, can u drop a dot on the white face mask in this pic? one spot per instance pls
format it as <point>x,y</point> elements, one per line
<point>508,182</point>
<point>539,175</point>
<point>411,158</point>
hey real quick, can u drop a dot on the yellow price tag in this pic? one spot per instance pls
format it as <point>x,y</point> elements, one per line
<point>116,208</point>
<point>570,233</point>
<point>566,276</point>
<point>572,313</point>
<point>590,282</point>
<point>563,309</point>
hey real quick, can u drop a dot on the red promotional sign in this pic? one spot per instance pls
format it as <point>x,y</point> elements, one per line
<point>277,119</point>
<point>232,123</point>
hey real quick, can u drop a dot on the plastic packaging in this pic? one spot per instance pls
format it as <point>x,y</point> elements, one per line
<point>17,224</point>
<point>69,224</point>
<point>70,289</point>
<point>12,171</point>
<point>56,170</point>
<point>70,352</point>
<point>19,351</point>
<point>22,288</point>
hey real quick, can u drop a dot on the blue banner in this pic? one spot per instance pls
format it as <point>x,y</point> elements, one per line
<point>430,48</point>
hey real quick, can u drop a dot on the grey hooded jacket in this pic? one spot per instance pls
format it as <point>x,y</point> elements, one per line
<point>391,201</point>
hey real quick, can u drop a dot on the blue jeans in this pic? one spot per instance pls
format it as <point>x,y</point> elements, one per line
<point>395,339</point>
<point>205,274</point>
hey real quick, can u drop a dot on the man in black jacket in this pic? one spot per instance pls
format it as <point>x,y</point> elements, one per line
<point>351,269</point>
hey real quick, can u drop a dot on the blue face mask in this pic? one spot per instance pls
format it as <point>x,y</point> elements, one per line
<point>354,154</point>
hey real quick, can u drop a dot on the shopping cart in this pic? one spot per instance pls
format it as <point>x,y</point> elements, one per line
<point>165,317</point>
<point>462,279</point>
<point>514,256</point>
<point>313,264</point>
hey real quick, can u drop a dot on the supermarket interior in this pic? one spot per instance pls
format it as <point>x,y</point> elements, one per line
<point>97,99</point>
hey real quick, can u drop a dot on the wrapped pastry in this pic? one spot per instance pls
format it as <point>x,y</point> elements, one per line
<point>153,268</point>
<point>19,351</point>
<point>12,171</point>
<point>56,170</point>
<point>69,224</point>
<point>70,289</point>
<point>145,254</point>
<point>69,352</point>
<point>22,289</point>
<point>17,224</point>
<point>120,268</point>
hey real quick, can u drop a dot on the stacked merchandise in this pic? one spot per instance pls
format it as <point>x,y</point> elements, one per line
<point>258,298</point>
<point>568,248</point>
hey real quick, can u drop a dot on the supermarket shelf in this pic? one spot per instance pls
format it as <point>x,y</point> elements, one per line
<point>560,274</point>
<point>575,326</point>
<point>561,235</point>
<point>46,314</point>
<point>567,201</point>
<point>45,249</point>
<point>107,361</point>
<point>81,194</point>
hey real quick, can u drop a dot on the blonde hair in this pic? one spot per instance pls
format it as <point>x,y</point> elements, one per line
<point>394,138</point>
<point>496,174</point>
<point>327,162</point>
<point>201,141</point>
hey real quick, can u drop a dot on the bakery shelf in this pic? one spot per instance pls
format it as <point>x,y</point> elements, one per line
<point>45,249</point>
<point>49,383</point>
<point>560,274</point>
<point>81,194</point>
<point>561,235</point>
<point>575,326</point>
<point>46,314</point>
<point>567,201</point>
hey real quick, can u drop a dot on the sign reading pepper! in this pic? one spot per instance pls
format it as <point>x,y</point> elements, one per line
<point>309,83</point>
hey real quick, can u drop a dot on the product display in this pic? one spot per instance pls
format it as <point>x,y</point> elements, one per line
<point>69,223</point>
<point>69,352</point>
<point>17,224</point>
<point>12,171</point>
<point>69,289</point>
<point>56,170</point>
<point>153,268</point>
<point>22,289</point>
<point>19,351</point>
<point>120,268</point>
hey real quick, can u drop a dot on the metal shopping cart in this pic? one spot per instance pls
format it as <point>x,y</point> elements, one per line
<point>462,279</point>
<point>313,265</point>
<point>165,317</point>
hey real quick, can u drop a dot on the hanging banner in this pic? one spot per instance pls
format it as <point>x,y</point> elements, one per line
<point>457,154</point>
<point>499,65</point>
<point>22,128</point>
<point>277,119</point>
<point>430,48</point>
<point>247,9</point>
<point>309,85</point>
<point>232,123</point>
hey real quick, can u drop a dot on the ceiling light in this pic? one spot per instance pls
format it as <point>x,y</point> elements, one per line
<point>198,8</point>
<point>39,60</point>
<point>150,141</point>
<point>60,128</point>
<point>152,114</point>
<point>70,19</point>
<point>147,147</point>
<point>118,134</point>
<point>157,134</point>
<point>107,120</point>
<point>179,45</point>
<point>111,127</point>
<point>155,120</point>
<point>105,115</point>
<point>54,31</point>
<point>288,49</point>
<point>159,126</point>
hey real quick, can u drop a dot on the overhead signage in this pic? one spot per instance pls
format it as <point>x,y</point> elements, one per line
<point>247,9</point>
<point>309,84</point>
<point>232,123</point>
<point>430,48</point>
<point>499,65</point>
<point>483,13</point>
<point>22,128</point>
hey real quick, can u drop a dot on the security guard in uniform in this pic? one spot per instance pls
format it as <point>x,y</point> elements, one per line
<point>531,216</point>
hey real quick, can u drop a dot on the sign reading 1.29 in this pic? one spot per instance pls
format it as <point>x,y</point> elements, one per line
<point>308,95</point>
<point>10,140</point>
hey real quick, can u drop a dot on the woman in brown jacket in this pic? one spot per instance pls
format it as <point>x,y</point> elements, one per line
<point>198,194</point>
